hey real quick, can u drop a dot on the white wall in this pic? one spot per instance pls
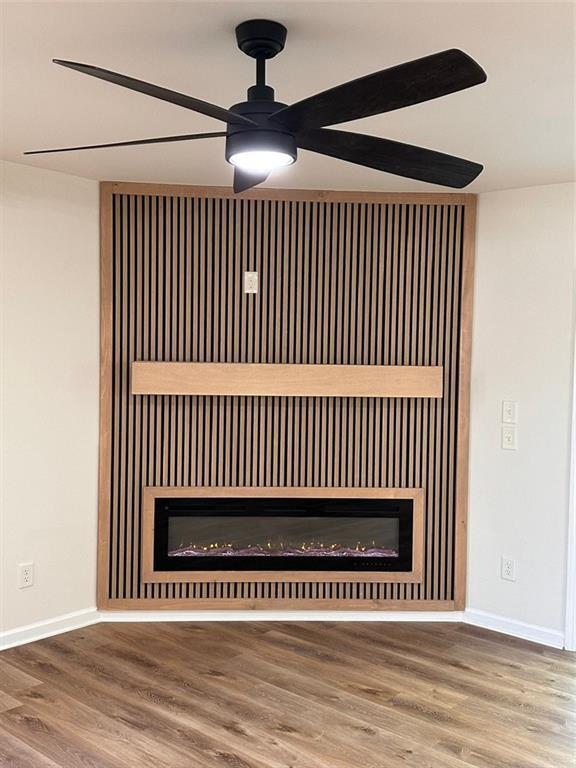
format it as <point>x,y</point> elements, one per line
<point>522,350</point>
<point>50,289</point>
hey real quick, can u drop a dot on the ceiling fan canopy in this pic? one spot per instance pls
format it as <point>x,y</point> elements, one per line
<point>263,134</point>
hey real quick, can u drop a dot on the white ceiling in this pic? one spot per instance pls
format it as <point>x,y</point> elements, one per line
<point>520,124</point>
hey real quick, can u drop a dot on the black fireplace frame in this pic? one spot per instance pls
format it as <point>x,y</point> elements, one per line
<point>401,508</point>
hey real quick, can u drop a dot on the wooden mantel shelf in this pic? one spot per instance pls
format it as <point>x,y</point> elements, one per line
<point>286,380</point>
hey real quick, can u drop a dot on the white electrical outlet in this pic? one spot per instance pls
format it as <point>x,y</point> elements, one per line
<point>509,412</point>
<point>509,438</point>
<point>508,569</point>
<point>25,575</point>
<point>250,282</point>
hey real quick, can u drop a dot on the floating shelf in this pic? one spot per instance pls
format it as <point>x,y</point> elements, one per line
<point>286,380</point>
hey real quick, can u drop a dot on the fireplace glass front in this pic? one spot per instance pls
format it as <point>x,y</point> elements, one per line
<point>283,534</point>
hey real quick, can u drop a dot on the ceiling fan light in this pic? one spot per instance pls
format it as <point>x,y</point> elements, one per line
<point>260,160</point>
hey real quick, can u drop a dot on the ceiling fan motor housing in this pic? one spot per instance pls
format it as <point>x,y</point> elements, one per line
<point>267,135</point>
<point>261,38</point>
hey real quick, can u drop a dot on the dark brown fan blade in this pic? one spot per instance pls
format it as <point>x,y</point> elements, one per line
<point>157,92</point>
<point>244,181</point>
<point>135,143</point>
<point>391,157</point>
<point>394,88</point>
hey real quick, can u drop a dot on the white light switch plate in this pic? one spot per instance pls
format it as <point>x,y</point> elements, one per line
<point>250,282</point>
<point>509,412</point>
<point>509,438</point>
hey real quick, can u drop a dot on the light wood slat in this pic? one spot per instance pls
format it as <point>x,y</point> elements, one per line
<point>464,372</point>
<point>265,379</point>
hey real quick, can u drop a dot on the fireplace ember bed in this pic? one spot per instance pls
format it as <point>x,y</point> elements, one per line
<point>278,534</point>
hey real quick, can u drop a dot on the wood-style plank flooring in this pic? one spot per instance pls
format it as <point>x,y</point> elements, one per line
<point>286,695</point>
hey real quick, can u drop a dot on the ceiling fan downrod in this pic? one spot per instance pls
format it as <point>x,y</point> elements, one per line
<point>261,39</point>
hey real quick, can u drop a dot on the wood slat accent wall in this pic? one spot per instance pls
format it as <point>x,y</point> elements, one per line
<point>345,279</point>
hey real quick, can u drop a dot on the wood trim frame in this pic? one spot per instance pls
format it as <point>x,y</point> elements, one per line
<point>286,380</point>
<point>462,448</point>
<point>312,195</point>
<point>105,446</point>
<point>150,494</point>
<point>256,604</point>
<point>107,189</point>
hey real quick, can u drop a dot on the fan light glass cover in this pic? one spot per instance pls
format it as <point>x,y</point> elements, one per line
<point>260,161</point>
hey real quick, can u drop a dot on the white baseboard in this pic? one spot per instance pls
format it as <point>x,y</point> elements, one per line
<point>48,627</point>
<point>444,616</point>
<point>542,635</point>
<point>79,619</point>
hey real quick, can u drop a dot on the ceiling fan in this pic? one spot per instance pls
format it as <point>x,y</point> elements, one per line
<point>263,134</point>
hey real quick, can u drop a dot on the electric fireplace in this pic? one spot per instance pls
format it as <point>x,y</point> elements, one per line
<point>193,534</point>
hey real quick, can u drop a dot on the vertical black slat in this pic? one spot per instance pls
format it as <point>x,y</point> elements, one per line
<point>441,405</point>
<point>387,351</point>
<point>148,352</point>
<point>417,359</point>
<point>119,367</point>
<point>249,265</point>
<point>351,343</point>
<point>343,308</point>
<point>279,356</point>
<point>452,385</point>
<point>123,424</point>
<point>163,320</point>
<point>424,358</point>
<point>206,281</point>
<point>243,266</point>
<point>145,590</point>
<point>303,275</point>
<point>330,255</point>
<point>458,313</point>
<point>113,388</point>
<point>128,401</point>
<point>216,272</point>
<point>236,267</point>
<point>406,312</point>
<point>154,590</point>
<point>413,403</point>
<point>309,305</point>
<point>180,347</point>
<point>170,299</point>
<point>136,401</point>
<point>449,468</point>
<point>347,464</point>
<point>189,298</point>
<point>262,269</point>
<point>182,402</point>
<point>431,410</point>
<point>196,277</point>
<point>367,286</point>
<point>321,354</point>
<point>186,277</point>
<point>289,257</point>
<point>226,279</point>
<point>335,301</point>
<point>269,302</point>
<point>139,354</point>
<point>390,343</point>
<point>433,404</point>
